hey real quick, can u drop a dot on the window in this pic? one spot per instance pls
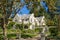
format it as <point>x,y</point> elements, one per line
<point>27,19</point>
<point>15,20</point>
<point>26,26</point>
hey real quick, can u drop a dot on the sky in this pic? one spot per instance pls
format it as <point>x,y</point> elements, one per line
<point>44,5</point>
<point>24,9</point>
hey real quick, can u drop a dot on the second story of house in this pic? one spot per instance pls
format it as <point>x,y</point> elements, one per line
<point>29,18</point>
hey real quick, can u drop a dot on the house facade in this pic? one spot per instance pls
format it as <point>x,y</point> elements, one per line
<point>29,18</point>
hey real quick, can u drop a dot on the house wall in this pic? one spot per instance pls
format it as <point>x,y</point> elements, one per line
<point>31,20</point>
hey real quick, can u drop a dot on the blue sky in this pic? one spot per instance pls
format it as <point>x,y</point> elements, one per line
<point>44,5</point>
<point>24,10</point>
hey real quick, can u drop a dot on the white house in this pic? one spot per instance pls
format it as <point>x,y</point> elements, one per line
<point>29,18</point>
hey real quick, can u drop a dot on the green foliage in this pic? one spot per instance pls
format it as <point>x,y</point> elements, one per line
<point>1,30</point>
<point>25,35</point>
<point>55,19</point>
<point>53,32</point>
<point>38,30</point>
<point>0,15</point>
<point>28,31</point>
<point>10,25</point>
<point>11,35</point>
<point>51,5</point>
<point>20,26</point>
<point>10,19</point>
<point>37,13</point>
<point>50,23</point>
<point>1,37</point>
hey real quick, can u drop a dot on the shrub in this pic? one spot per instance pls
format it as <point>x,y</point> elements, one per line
<point>26,35</point>
<point>11,35</point>
<point>20,26</point>
<point>38,30</point>
<point>53,31</point>
<point>28,31</point>
<point>1,37</point>
<point>10,25</point>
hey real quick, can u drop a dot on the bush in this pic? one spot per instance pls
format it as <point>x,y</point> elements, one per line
<point>53,32</point>
<point>28,31</point>
<point>20,26</point>
<point>1,36</point>
<point>1,29</point>
<point>11,35</point>
<point>38,30</point>
<point>50,23</point>
<point>10,25</point>
<point>26,35</point>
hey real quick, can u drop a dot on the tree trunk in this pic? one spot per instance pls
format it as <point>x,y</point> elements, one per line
<point>4,24</point>
<point>4,30</point>
<point>5,17</point>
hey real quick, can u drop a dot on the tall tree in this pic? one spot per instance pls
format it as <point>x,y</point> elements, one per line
<point>51,5</point>
<point>5,16</point>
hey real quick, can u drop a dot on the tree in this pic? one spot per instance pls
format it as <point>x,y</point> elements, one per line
<point>5,16</point>
<point>4,23</point>
<point>51,5</point>
<point>59,22</point>
<point>53,31</point>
